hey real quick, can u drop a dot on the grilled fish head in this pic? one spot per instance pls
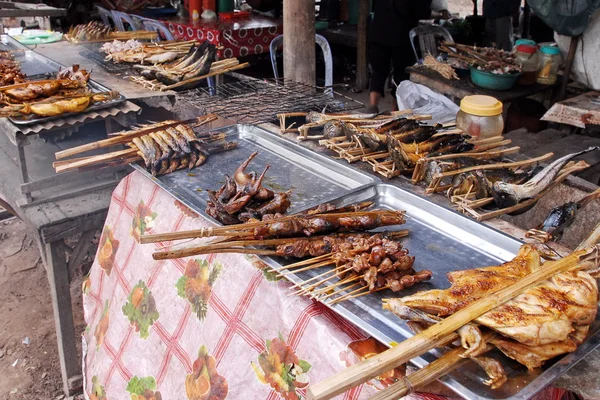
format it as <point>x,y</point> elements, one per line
<point>505,194</point>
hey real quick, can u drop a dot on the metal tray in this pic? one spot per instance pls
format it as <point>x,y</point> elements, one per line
<point>443,241</point>
<point>313,179</point>
<point>34,65</point>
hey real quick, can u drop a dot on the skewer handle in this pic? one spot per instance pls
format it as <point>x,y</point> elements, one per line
<point>166,237</point>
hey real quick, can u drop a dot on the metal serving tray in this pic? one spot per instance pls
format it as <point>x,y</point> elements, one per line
<point>35,65</point>
<point>313,179</point>
<point>443,241</point>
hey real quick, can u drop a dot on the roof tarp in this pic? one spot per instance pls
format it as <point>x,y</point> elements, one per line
<point>567,17</point>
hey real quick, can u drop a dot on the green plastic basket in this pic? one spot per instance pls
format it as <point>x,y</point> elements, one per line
<point>487,80</point>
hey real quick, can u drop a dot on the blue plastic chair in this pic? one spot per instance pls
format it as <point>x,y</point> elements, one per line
<point>152,25</point>
<point>277,42</point>
<point>120,18</point>
<point>106,16</point>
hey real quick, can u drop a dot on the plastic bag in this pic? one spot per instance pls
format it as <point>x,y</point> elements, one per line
<point>423,100</point>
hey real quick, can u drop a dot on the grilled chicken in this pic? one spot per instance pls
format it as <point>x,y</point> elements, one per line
<point>547,320</point>
<point>471,285</point>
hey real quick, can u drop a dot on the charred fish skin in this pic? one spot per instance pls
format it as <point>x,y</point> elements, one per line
<point>559,219</point>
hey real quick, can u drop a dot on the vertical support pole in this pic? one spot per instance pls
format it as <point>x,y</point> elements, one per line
<point>299,41</point>
<point>23,169</point>
<point>568,67</point>
<point>58,277</point>
<point>526,20</point>
<point>362,74</point>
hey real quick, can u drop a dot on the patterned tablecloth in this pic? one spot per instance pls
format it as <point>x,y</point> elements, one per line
<point>206,327</point>
<point>238,38</point>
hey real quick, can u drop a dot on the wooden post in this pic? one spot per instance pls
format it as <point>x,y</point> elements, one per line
<point>361,46</point>
<point>299,41</point>
<point>568,66</point>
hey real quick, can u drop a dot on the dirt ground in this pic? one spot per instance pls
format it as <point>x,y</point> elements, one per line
<point>28,371</point>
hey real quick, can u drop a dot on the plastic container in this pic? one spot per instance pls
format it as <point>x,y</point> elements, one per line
<point>527,58</point>
<point>549,61</point>
<point>524,41</point>
<point>487,80</point>
<point>225,6</point>
<point>480,117</point>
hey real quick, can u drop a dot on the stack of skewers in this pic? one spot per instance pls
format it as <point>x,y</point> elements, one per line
<point>476,175</point>
<point>531,312</point>
<point>163,148</point>
<point>347,260</point>
<point>10,71</point>
<point>96,31</point>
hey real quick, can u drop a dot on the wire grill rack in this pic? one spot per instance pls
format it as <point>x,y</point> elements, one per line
<point>253,101</point>
<point>92,52</point>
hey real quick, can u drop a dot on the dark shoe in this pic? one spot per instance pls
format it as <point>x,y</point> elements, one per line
<point>372,110</point>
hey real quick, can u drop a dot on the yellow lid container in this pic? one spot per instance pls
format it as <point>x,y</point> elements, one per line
<point>482,106</point>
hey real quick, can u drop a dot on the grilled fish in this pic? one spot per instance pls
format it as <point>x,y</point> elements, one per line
<point>507,194</point>
<point>563,216</point>
<point>181,141</point>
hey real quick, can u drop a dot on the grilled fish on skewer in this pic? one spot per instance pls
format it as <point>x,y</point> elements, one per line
<point>506,194</point>
<point>187,132</point>
<point>563,216</point>
<point>181,141</point>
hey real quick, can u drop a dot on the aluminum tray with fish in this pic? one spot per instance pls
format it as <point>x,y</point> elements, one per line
<point>442,241</point>
<point>313,179</point>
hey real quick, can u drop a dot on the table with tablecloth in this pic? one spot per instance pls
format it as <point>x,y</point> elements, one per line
<point>237,37</point>
<point>204,327</point>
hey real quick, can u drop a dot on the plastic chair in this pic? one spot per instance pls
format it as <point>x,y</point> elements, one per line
<point>120,18</point>
<point>427,35</point>
<point>106,16</point>
<point>152,25</point>
<point>323,43</point>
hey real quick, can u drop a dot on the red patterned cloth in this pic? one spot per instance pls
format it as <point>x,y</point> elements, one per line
<point>206,327</point>
<point>239,38</point>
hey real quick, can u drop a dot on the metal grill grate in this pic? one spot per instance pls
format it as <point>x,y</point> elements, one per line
<point>252,101</point>
<point>109,66</point>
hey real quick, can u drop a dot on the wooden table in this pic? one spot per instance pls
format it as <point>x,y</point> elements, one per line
<point>457,89</point>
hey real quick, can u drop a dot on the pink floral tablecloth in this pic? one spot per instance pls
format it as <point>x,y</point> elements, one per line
<point>210,327</point>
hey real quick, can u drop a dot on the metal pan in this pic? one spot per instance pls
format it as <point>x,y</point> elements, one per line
<point>443,241</point>
<point>36,65</point>
<point>313,179</point>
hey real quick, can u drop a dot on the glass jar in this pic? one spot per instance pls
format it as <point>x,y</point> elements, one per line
<point>480,117</point>
<point>549,61</point>
<point>527,57</point>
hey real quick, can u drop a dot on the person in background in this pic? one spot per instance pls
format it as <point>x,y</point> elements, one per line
<point>389,42</point>
<point>498,22</point>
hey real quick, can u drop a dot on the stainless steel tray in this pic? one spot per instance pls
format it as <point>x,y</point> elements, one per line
<point>35,65</point>
<point>313,179</point>
<point>443,241</point>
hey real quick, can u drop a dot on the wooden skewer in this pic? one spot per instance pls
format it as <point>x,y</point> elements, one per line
<point>345,296</point>
<point>333,272</point>
<point>128,136</point>
<point>247,227</point>
<point>86,161</point>
<point>436,334</point>
<point>311,260</point>
<point>317,265</point>
<point>199,78</point>
<point>424,376</point>
<point>331,287</point>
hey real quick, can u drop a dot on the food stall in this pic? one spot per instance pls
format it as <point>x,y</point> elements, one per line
<point>245,259</point>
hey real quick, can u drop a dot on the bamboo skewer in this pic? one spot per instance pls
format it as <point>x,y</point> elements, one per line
<point>229,230</point>
<point>313,266</point>
<point>436,334</point>
<point>199,78</point>
<point>340,291</point>
<point>428,374</point>
<point>87,161</point>
<point>126,137</point>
